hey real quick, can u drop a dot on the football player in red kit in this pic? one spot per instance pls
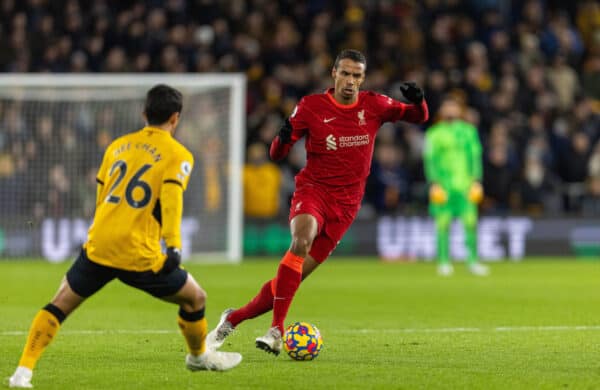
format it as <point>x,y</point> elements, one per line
<point>340,127</point>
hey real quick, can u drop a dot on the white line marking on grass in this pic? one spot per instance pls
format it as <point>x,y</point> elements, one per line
<point>411,330</point>
<point>347,331</point>
<point>97,332</point>
<point>467,330</point>
<point>545,328</point>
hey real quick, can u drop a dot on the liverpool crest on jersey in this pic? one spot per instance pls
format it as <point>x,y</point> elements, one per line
<point>361,118</point>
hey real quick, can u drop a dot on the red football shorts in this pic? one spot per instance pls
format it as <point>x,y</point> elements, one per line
<point>333,219</point>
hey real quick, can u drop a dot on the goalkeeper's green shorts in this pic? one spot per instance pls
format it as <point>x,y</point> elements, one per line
<point>458,204</point>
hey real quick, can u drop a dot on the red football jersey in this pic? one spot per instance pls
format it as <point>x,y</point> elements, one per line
<point>340,139</point>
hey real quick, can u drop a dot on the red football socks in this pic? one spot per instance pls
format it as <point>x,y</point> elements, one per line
<point>289,276</point>
<point>283,287</point>
<point>261,303</point>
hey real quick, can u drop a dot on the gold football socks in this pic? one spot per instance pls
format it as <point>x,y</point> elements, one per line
<point>43,328</point>
<point>194,328</point>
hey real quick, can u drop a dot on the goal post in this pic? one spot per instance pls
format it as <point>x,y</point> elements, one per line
<point>55,127</point>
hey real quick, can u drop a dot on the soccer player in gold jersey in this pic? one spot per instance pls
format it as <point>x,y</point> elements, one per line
<point>139,201</point>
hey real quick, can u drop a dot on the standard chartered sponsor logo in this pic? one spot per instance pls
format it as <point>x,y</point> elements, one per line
<point>354,140</point>
<point>347,141</point>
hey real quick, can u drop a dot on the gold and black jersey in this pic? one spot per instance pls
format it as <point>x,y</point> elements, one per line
<point>140,200</point>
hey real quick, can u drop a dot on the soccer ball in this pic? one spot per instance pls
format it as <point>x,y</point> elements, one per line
<point>302,341</point>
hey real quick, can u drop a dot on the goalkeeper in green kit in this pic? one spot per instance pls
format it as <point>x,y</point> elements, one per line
<point>453,169</point>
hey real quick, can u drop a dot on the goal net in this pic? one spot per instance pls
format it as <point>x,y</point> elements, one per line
<point>55,128</point>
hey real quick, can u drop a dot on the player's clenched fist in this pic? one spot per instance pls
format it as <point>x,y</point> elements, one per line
<point>476,193</point>
<point>285,133</point>
<point>412,92</point>
<point>437,195</point>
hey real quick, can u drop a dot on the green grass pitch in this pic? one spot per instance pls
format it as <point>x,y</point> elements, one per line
<point>530,325</point>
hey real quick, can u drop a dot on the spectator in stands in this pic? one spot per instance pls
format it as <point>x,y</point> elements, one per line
<point>563,79</point>
<point>577,158</point>
<point>588,21</point>
<point>575,170</point>
<point>388,183</point>
<point>537,188</point>
<point>498,180</point>
<point>261,184</point>
<point>586,119</point>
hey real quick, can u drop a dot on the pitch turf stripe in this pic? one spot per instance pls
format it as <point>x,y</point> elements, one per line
<point>347,331</point>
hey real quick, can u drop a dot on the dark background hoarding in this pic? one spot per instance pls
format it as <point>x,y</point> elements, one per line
<point>391,238</point>
<point>407,238</point>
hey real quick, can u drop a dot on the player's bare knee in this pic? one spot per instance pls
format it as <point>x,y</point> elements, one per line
<point>199,298</point>
<point>66,299</point>
<point>194,301</point>
<point>300,246</point>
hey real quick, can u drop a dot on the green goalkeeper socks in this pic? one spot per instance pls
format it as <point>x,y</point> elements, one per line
<point>471,241</point>
<point>443,238</point>
<point>469,221</point>
<point>442,233</point>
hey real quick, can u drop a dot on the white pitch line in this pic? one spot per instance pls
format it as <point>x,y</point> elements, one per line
<point>97,332</point>
<point>346,331</point>
<point>412,330</point>
<point>471,330</point>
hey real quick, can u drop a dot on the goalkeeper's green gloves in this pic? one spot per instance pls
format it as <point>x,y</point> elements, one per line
<point>173,260</point>
<point>412,92</point>
<point>285,133</point>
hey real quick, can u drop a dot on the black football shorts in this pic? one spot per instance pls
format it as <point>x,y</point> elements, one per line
<point>86,277</point>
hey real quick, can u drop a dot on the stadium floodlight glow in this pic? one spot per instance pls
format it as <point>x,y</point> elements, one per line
<point>88,109</point>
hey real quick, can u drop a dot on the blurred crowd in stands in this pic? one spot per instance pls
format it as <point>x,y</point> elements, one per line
<point>528,73</point>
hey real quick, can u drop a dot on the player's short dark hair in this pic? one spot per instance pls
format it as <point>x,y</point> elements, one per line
<point>350,54</point>
<point>162,101</point>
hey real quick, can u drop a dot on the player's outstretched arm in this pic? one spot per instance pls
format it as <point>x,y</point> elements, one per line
<point>292,130</point>
<point>417,111</point>
<point>283,142</point>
